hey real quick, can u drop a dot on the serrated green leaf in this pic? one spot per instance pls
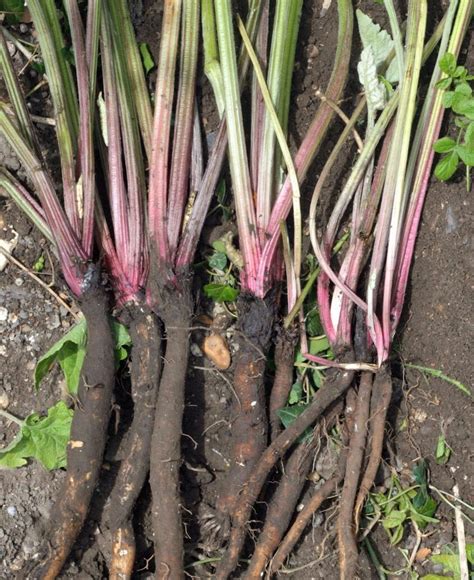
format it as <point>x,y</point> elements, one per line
<point>448,99</point>
<point>13,10</point>
<point>463,105</point>
<point>463,89</point>
<point>469,136</point>
<point>69,351</point>
<point>447,63</point>
<point>466,154</point>
<point>375,91</point>
<point>376,38</point>
<point>218,261</point>
<point>296,393</point>
<point>221,292</point>
<point>41,438</point>
<point>446,166</point>
<point>444,145</point>
<point>147,58</point>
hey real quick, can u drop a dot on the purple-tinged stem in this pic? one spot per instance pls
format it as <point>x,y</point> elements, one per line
<point>116,186</point>
<point>86,146</point>
<point>159,168</point>
<point>182,142</point>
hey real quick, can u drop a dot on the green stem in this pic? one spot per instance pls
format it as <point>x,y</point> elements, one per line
<point>11,418</point>
<point>212,67</point>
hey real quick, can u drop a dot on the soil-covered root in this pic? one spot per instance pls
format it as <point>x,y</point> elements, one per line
<point>284,364</point>
<point>380,401</point>
<point>348,553</point>
<point>123,552</point>
<point>175,309</point>
<point>283,503</point>
<point>281,507</point>
<point>336,383</point>
<point>303,519</point>
<point>250,422</point>
<point>144,375</point>
<point>87,442</point>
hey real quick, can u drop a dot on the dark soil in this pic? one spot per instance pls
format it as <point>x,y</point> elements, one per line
<point>437,332</point>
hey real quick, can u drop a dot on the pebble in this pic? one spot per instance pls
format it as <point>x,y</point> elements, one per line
<point>12,511</point>
<point>3,314</point>
<point>23,28</point>
<point>19,281</point>
<point>54,322</point>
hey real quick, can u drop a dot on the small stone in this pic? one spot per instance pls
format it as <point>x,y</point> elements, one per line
<point>3,314</point>
<point>4,400</point>
<point>12,511</point>
<point>54,322</point>
<point>19,281</point>
<point>23,28</point>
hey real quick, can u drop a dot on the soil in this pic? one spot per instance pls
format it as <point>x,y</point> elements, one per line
<point>437,332</point>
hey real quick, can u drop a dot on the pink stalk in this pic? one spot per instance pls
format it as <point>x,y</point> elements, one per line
<point>192,231</point>
<point>357,253</point>
<point>116,189</point>
<point>158,189</point>
<point>86,148</point>
<point>182,142</point>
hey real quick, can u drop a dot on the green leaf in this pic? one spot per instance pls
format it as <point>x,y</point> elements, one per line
<point>147,58</point>
<point>463,105</point>
<point>13,10</point>
<point>444,145</point>
<point>397,535</point>
<point>375,91</point>
<point>122,341</point>
<point>373,36</point>
<point>443,451</point>
<point>463,89</point>
<point>38,266</point>
<point>289,414</point>
<point>41,438</point>
<point>221,292</point>
<point>313,323</point>
<point>434,577</point>
<point>218,261</point>
<point>446,166</point>
<point>448,99</point>
<point>450,562</point>
<point>296,393</point>
<point>459,72</point>
<point>466,154</point>
<point>219,246</point>
<point>469,136</point>
<point>394,519</point>
<point>444,84</point>
<point>447,63</point>
<point>318,345</point>
<point>69,352</point>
